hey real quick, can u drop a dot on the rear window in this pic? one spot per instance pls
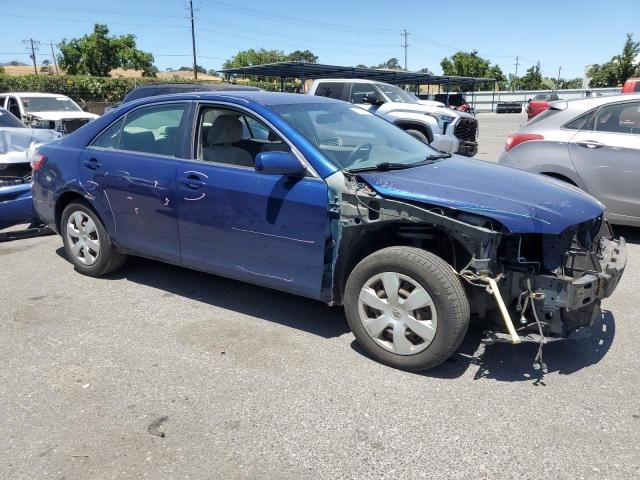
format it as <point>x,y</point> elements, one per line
<point>541,116</point>
<point>331,90</point>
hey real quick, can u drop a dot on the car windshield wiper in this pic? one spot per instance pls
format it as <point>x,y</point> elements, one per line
<point>437,156</point>
<point>386,166</point>
<point>382,166</point>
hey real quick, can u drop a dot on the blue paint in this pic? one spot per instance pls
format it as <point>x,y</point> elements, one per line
<point>521,201</point>
<point>16,205</point>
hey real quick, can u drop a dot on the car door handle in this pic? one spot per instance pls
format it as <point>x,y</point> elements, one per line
<point>192,182</point>
<point>592,144</point>
<point>92,164</point>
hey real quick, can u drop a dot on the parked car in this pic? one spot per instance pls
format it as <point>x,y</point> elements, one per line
<point>632,85</point>
<point>539,103</point>
<point>444,129</point>
<point>592,143</point>
<point>46,110</point>
<point>167,88</point>
<point>322,199</point>
<point>18,143</point>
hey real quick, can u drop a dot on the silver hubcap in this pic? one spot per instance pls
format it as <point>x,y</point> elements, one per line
<point>397,313</point>
<point>83,239</point>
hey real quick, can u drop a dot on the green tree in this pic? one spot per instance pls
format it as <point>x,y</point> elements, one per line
<point>470,64</point>
<point>246,58</point>
<point>199,68</point>
<point>302,56</point>
<point>617,70</point>
<point>532,80</point>
<point>98,53</point>
<point>361,65</point>
<point>392,64</point>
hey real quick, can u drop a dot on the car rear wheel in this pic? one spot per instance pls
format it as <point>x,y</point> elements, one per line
<point>406,308</point>
<point>87,242</point>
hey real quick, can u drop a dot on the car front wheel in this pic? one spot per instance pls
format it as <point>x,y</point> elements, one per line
<point>87,242</point>
<point>406,308</point>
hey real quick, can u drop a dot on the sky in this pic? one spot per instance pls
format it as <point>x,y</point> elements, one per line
<point>560,34</point>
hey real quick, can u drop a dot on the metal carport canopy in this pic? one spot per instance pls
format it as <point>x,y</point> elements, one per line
<point>312,71</point>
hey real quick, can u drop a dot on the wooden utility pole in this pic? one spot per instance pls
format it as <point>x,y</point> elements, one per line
<point>193,42</point>
<point>53,56</point>
<point>32,45</point>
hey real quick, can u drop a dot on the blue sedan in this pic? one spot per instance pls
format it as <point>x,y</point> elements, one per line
<point>319,198</point>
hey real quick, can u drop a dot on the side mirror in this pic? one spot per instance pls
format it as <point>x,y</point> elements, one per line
<point>279,163</point>
<point>373,99</point>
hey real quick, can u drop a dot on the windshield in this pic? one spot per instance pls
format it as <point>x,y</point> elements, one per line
<point>351,137</point>
<point>49,104</point>
<point>396,94</point>
<point>9,120</point>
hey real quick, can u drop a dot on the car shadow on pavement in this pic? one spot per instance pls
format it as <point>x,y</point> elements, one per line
<point>278,307</point>
<point>515,363</point>
<point>630,234</point>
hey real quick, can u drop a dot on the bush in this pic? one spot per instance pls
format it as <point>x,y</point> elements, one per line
<point>97,89</point>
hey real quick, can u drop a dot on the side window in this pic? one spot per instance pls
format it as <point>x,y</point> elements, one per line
<point>619,118</point>
<point>579,122</point>
<point>153,129</point>
<point>14,107</point>
<point>110,138</point>
<point>2,100</point>
<point>331,89</point>
<point>232,137</point>
<point>361,90</point>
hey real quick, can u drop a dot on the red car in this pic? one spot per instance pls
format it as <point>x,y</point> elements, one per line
<point>632,85</point>
<point>540,103</point>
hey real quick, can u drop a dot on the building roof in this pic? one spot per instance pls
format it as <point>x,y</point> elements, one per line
<point>314,71</point>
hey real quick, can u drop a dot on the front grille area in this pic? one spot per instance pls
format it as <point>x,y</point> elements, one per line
<point>467,129</point>
<point>72,125</point>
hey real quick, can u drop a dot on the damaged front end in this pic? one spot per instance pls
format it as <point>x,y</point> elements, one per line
<point>555,283</point>
<point>537,286</point>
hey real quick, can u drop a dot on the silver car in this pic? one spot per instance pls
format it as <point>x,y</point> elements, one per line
<point>592,143</point>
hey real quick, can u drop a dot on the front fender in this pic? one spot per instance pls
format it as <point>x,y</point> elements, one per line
<point>411,117</point>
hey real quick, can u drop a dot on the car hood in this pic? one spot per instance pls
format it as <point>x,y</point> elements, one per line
<point>523,202</point>
<point>420,108</point>
<point>62,115</point>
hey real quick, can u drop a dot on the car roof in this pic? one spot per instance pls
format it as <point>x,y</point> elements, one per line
<point>34,94</point>
<point>593,102</point>
<point>154,89</point>
<point>258,97</point>
<point>351,80</point>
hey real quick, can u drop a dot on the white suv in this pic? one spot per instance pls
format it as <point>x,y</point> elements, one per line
<point>46,110</point>
<point>444,129</point>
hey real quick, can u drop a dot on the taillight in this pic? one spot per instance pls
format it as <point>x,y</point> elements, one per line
<point>37,161</point>
<point>516,139</point>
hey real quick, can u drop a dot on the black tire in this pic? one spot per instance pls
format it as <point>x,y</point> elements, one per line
<point>108,260</point>
<point>418,134</point>
<point>443,286</point>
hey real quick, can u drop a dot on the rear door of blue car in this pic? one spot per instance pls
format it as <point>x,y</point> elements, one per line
<point>266,229</point>
<point>130,171</point>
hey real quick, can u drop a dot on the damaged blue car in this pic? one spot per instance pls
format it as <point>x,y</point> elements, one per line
<point>320,198</point>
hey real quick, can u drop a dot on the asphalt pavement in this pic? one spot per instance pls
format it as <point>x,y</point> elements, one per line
<point>161,372</point>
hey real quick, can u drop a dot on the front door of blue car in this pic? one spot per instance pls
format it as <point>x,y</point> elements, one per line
<point>266,229</point>
<point>129,171</point>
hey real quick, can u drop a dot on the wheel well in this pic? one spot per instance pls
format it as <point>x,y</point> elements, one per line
<point>558,176</point>
<point>417,126</point>
<point>64,200</point>
<point>362,242</point>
